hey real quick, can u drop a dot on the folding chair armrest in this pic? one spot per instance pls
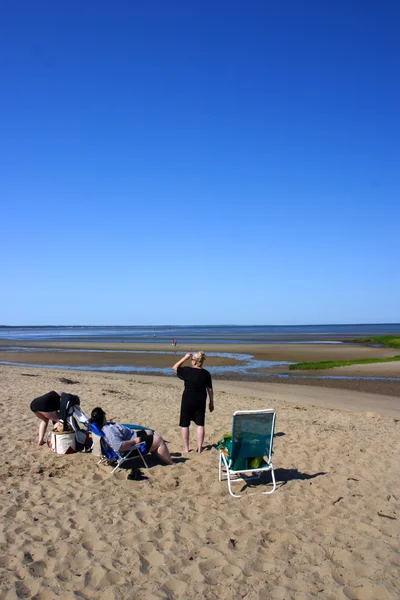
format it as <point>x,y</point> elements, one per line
<point>141,446</point>
<point>224,451</point>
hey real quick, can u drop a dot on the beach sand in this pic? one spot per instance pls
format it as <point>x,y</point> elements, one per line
<point>331,530</point>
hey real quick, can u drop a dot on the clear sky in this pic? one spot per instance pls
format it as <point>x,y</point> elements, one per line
<point>199,162</point>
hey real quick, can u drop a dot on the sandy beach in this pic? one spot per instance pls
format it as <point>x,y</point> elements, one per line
<point>331,529</point>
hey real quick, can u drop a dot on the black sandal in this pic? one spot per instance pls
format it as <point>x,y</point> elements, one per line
<point>136,475</point>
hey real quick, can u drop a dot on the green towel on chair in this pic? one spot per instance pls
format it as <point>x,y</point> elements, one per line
<point>240,464</point>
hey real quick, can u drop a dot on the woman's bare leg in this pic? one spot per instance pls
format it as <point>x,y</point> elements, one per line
<point>200,437</point>
<point>45,417</point>
<point>185,438</point>
<point>41,429</point>
<point>160,448</point>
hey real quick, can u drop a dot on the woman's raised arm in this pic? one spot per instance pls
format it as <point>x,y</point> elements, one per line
<point>180,362</point>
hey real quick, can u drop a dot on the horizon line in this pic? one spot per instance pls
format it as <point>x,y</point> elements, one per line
<point>211,325</point>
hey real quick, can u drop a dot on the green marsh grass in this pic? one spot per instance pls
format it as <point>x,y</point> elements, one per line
<point>329,364</point>
<point>392,341</point>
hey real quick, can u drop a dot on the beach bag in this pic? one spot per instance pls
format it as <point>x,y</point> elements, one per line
<point>62,442</point>
<point>84,442</point>
<point>67,403</point>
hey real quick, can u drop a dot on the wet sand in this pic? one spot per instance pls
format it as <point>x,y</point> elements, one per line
<point>365,386</point>
<point>293,352</point>
<point>115,354</point>
<point>109,359</point>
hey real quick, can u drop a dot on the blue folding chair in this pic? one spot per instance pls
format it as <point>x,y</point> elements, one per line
<point>249,449</point>
<point>109,454</point>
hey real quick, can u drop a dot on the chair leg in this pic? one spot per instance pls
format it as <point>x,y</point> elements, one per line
<point>223,461</point>
<point>273,481</point>
<point>121,462</point>
<point>115,468</point>
<point>230,487</point>
<point>228,475</point>
<point>143,459</point>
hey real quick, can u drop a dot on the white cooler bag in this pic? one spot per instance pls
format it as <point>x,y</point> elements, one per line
<point>63,442</point>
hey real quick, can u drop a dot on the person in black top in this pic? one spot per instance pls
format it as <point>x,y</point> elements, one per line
<point>193,407</point>
<point>46,408</point>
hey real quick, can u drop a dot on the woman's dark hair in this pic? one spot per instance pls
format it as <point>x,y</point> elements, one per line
<point>97,416</point>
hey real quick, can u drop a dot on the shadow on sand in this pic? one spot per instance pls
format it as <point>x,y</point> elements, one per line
<point>282,476</point>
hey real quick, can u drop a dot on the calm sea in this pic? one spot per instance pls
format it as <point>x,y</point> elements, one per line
<point>234,334</point>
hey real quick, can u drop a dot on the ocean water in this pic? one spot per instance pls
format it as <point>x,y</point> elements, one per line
<point>185,335</point>
<point>234,334</point>
<point>246,362</point>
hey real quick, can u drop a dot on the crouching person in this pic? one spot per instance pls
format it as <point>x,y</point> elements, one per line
<point>46,408</point>
<point>121,438</point>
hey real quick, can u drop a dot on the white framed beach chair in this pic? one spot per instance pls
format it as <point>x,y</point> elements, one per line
<point>110,455</point>
<point>249,449</point>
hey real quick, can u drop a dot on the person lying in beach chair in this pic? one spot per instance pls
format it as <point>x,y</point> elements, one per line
<point>249,448</point>
<point>121,441</point>
<point>116,459</point>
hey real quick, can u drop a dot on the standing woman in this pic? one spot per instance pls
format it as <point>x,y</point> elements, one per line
<point>193,408</point>
<point>46,408</point>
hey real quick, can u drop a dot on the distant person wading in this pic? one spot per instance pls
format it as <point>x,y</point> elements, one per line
<point>194,398</point>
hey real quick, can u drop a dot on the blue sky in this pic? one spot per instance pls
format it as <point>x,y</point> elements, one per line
<point>199,162</point>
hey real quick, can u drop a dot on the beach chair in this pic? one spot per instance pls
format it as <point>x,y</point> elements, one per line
<point>110,455</point>
<point>249,448</point>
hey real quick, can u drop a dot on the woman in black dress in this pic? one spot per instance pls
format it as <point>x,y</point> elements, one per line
<point>46,408</point>
<point>193,408</point>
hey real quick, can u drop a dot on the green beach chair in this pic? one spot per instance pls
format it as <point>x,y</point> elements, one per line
<point>249,448</point>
